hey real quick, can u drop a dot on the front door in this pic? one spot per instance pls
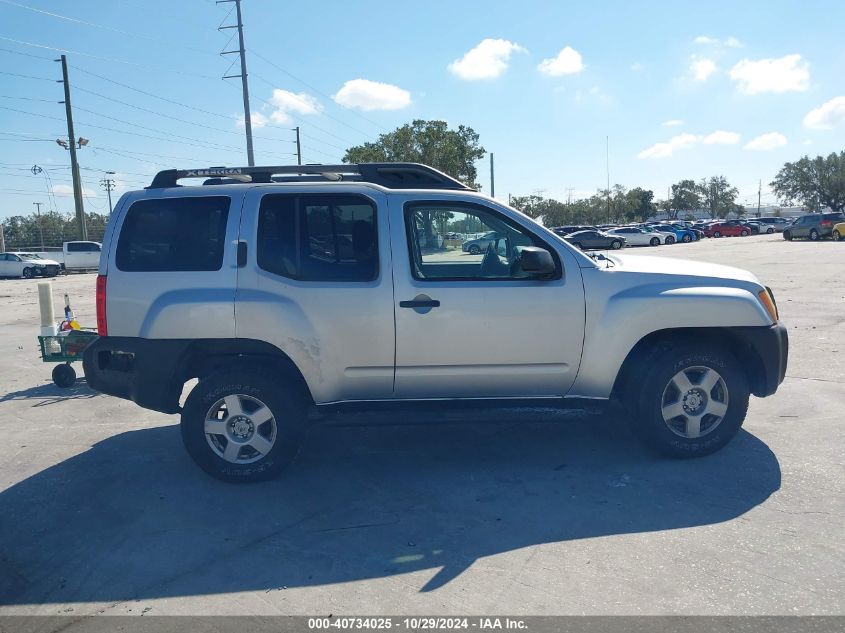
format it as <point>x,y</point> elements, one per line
<point>476,325</point>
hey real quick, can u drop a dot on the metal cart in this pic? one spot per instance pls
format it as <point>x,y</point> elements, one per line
<point>65,349</point>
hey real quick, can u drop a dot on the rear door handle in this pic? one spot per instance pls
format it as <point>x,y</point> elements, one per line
<point>420,303</point>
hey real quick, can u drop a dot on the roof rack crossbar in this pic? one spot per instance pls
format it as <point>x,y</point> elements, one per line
<point>390,175</point>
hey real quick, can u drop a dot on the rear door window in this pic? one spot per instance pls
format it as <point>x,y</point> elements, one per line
<point>174,234</point>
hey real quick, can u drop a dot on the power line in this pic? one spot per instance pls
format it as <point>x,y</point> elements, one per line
<point>3,72</point>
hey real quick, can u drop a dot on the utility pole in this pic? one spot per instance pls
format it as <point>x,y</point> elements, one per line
<point>74,166</point>
<point>492,178</point>
<point>298,147</point>
<point>244,83</point>
<point>40,228</point>
<point>108,185</point>
<point>759,191</point>
<point>2,240</point>
<point>607,156</point>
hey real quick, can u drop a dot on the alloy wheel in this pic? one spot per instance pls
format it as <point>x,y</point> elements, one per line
<point>695,401</point>
<point>240,429</point>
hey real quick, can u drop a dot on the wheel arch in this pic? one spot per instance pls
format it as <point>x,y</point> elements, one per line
<point>207,356</point>
<point>730,339</point>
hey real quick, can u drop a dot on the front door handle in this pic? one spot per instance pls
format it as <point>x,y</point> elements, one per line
<point>422,304</point>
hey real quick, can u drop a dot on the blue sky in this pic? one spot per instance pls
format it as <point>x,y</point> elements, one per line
<point>682,90</point>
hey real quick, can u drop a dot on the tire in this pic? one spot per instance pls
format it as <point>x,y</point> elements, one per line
<point>837,236</point>
<point>743,233</point>
<point>719,412</point>
<point>655,241</point>
<point>769,231</point>
<point>717,234</point>
<point>28,273</point>
<point>616,245</point>
<point>474,250</point>
<point>787,236</point>
<point>64,375</point>
<point>670,239</point>
<point>686,239</point>
<point>277,434</point>
<point>814,235</point>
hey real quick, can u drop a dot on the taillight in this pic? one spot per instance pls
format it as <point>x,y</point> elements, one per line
<point>102,328</point>
<point>827,223</point>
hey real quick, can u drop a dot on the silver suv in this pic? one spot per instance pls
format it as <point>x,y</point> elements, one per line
<point>282,288</point>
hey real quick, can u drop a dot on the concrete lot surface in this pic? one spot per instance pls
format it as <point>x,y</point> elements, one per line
<point>500,511</point>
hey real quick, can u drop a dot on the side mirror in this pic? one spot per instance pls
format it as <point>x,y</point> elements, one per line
<point>537,261</point>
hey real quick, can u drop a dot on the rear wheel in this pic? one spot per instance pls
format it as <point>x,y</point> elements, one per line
<point>655,241</point>
<point>770,230</point>
<point>717,234</point>
<point>814,235</point>
<point>787,236</point>
<point>836,235</point>
<point>686,239</point>
<point>616,245</point>
<point>743,233</point>
<point>474,250</point>
<point>692,400</point>
<point>242,427</point>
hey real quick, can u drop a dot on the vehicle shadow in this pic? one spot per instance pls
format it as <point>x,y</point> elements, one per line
<point>50,393</point>
<point>133,518</point>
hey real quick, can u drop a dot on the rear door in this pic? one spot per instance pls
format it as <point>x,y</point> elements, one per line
<point>476,326</point>
<point>317,284</point>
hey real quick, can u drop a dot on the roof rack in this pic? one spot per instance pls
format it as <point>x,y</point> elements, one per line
<point>391,175</point>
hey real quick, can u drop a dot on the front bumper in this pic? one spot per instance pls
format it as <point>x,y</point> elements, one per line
<point>770,346</point>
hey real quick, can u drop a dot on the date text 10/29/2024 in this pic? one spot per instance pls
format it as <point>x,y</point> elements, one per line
<point>418,623</point>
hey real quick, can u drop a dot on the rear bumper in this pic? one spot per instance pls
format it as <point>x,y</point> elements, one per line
<point>136,369</point>
<point>771,346</point>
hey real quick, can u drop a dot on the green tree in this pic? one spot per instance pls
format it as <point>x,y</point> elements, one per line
<point>717,196</point>
<point>684,198</point>
<point>814,182</point>
<point>640,204</point>
<point>432,143</point>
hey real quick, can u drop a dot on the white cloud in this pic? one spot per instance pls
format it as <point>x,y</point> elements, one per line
<point>730,42</point>
<point>488,60</point>
<point>766,142</point>
<point>783,74</point>
<point>637,66</point>
<point>285,102</point>
<point>257,119</point>
<point>702,67</point>
<point>67,190</point>
<point>567,62</point>
<point>720,137</point>
<point>672,123</point>
<point>367,95</point>
<point>664,150</point>
<point>687,141</point>
<point>827,115</point>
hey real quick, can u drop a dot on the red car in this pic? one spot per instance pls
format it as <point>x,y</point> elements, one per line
<point>723,229</point>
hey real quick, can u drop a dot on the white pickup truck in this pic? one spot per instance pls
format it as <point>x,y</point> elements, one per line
<point>74,255</point>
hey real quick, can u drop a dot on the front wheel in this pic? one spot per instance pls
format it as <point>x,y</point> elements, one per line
<point>616,245</point>
<point>28,273</point>
<point>670,239</point>
<point>743,233</point>
<point>836,235</point>
<point>691,402</point>
<point>474,250</point>
<point>242,427</point>
<point>787,236</point>
<point>717,234</point>
<point>814,235</point>
<point>770,230</point>
<point>686,239</point>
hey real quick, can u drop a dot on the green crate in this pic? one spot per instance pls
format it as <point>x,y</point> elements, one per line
<point>66,348</point>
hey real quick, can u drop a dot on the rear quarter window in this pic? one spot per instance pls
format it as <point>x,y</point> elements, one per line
<point>173,234</point>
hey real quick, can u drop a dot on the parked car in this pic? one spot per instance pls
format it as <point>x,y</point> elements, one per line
<point>771,225</point>
<point>77,255</point>
<point>210,283</point>
<point>681,233</point>
<point>813,226</point>
<point>480,244</point>
<point>838,231</point>
<point>635,236</point>
<point>27,265</point>
<point>566,230</point>
<point>726,229</point>
<point>666,237</point>
<point>595,239</point>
